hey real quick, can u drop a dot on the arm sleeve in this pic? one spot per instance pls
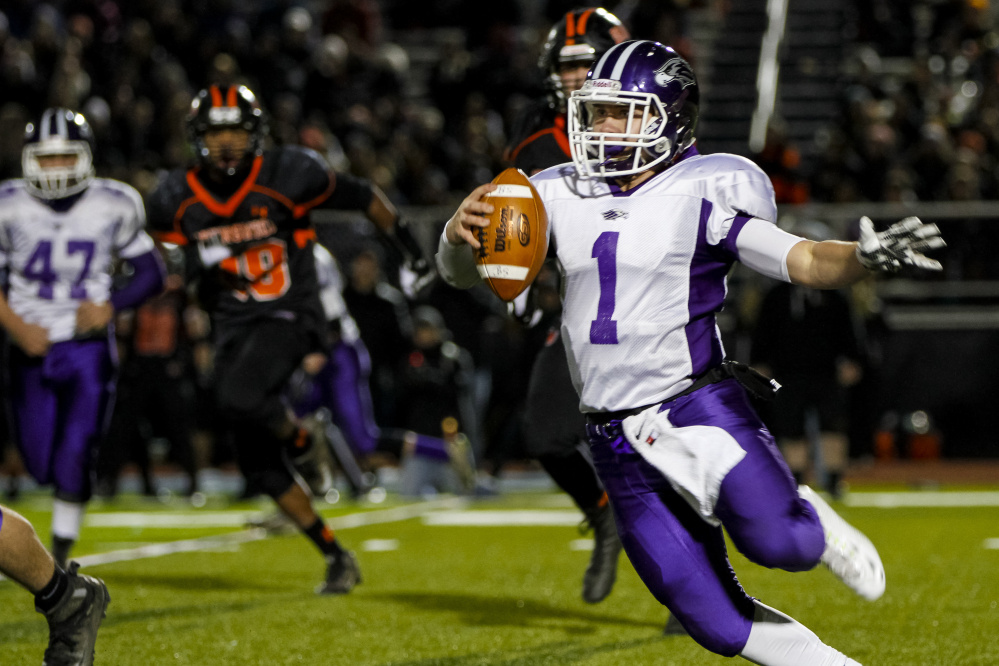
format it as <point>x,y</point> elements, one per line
<point>147,280</point>
<point>456,264</point>
<point>763,247</point>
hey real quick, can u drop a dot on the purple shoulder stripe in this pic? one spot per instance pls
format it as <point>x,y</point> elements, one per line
<point>729,241</point>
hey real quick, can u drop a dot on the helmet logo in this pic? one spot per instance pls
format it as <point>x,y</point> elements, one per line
<point>675,69</point>
<point>601,84</point>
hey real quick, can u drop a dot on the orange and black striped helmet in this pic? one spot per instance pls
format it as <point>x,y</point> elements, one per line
<point>218,107</point>
<point>581,36</point>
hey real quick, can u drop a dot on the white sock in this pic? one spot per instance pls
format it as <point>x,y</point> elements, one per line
<point>67,519</point>
<point>778,640</point>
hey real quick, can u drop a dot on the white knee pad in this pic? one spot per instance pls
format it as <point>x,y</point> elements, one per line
<point>778,640</point>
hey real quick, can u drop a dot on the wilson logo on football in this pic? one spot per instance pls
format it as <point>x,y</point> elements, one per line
<point>503,229</point>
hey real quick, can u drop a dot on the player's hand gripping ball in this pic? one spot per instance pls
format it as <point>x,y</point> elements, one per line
<point>515,243</point>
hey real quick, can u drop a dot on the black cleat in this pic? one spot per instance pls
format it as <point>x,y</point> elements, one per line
<point>602,570</point>
<point>74,621</point>
<point>342,574</point>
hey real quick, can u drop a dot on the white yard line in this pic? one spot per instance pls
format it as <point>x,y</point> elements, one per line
<point>228,541</point>
<point>922,498</point>
<point>502,518</point>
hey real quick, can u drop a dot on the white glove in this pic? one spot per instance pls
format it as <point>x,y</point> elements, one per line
<point>415,277</point>
<point>901,244</point>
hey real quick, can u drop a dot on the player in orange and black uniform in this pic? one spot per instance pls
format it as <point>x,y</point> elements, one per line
<point>554,431</point>
<point>242,216</point>
<point>538,138</point>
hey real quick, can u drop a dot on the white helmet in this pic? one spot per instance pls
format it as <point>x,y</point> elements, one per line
<point>58,132</point>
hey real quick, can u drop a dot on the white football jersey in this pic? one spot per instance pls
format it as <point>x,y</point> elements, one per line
<point>55,260</point>
<point>330,292</point>
<point>645,271</point>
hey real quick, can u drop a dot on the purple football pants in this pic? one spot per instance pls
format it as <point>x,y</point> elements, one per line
<point>60,406</point>
<point>342,386</point>
<point>681,558</point>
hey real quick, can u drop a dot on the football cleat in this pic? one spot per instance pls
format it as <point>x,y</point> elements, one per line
<point>342,574</point>
<point>311,460</point>
<point>602,570</point>
<point>74,621</point>
<point>848,554</point>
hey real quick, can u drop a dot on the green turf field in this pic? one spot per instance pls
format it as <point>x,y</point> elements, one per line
<point>440,592</point>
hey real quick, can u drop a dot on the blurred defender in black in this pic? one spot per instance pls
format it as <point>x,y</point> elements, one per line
<point>242,215</point>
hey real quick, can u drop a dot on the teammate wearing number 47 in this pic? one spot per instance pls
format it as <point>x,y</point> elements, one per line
<point>61,229</point>
<point>645,230</point>
<point>242,215</point>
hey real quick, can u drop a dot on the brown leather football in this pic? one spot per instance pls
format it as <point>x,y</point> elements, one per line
<point>515,243</point>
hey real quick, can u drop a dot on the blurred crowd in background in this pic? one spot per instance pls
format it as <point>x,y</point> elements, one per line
<point>419,98</point>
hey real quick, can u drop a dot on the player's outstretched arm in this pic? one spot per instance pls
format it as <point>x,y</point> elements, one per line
<point>835,264</point>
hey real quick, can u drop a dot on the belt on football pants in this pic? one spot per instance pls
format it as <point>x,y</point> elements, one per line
<point>757,384</point>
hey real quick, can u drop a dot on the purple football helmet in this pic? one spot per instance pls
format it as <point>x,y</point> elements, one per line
<point>58,132</point>
<point>658,87</point>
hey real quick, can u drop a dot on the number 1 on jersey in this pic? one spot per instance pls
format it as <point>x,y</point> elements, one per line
<point>603,329</point>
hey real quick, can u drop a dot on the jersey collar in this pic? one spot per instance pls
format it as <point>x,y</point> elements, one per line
<point>228,207</point>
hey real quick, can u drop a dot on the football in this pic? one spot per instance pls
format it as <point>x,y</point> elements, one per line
<point>515,243</point>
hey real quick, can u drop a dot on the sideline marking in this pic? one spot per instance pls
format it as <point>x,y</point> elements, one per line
<point>227,541</point>
<point>991,544</point>
<point>922,498</point>
<point>162,520</point>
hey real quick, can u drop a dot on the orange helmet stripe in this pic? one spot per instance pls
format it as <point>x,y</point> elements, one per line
<point>581,23</point>
<point>216,96</point>
<point>230,98</point>
<point>570,28</point>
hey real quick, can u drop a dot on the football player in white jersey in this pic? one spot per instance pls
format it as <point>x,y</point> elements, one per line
<point>61,229</point>
<point>645,229</point>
